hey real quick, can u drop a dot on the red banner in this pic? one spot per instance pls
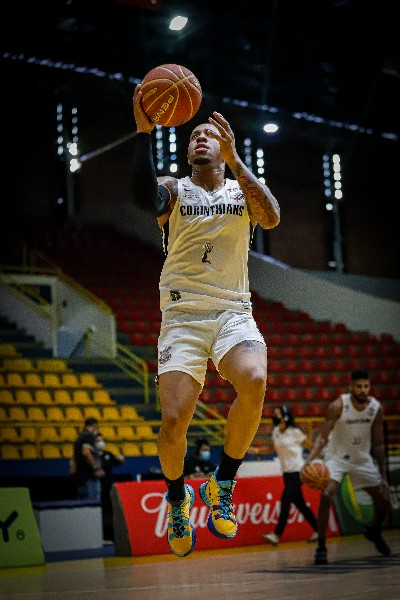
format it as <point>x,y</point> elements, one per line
<point>256,503</point>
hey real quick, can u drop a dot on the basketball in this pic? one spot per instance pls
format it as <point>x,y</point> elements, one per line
<point>171,95</point>
<point>315,475</point>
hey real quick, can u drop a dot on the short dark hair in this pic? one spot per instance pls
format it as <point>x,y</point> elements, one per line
<point>91,421</point>
<point>359,374</point>
<point>287,415</point>
<point>200,443</point>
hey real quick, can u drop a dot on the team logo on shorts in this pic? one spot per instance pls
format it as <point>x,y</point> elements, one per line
<point>165,355</point>
<point>175,295</point>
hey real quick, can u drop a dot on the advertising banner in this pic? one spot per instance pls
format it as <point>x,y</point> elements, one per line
<point>20,543</point>
<point>256,505</point>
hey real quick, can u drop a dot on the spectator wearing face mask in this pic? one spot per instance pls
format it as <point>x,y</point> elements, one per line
<point>199,464</point>
<point>84,466</point>
<point>106,461</point>
<point>289,441</point>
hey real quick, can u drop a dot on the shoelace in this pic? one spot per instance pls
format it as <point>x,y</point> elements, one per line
<point>179,522</point>
<point>225,503</point>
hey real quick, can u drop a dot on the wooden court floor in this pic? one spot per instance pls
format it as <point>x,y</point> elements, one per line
<point>355,572</point>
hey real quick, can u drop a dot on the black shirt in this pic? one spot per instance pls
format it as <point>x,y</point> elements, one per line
<point>83,470</point>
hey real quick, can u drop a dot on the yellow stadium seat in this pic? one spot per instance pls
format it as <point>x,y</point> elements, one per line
<point>55,413</point>
<point>130,449</point>
<point>111,413</point>
<point>81,397</point>
<point>149,449</point>
<point>70,380</point>
<point>62,397</point>
<point>15,380</point>
<point>102,397</point>
<point>73,413</point>
<point>29,434</point>
<point>9,451</point>
<point>130,413</point>
<point>114,449</point>
<point>35,413</point>
<point>92,411</point>
<point>17,413</point>
<point>43,397</point>
<point>68,433</point>
<point>3,414</point>
<point>49,434</point>
<point>29,451</point>
<point>9,434</point>
<point>2,380</point>
<point>6,397</point>
<point>126,432</point>
<point>145,432</point>
<point>8,350</point>
<point>18,364</point>
<point>50,451</point>
<point>33,380</point>
<point>89,380</point>
<point>108,433</point>
<point>23,397</point>
<point>51,380</point>
<point>56,365</point>
<point>67,450</point>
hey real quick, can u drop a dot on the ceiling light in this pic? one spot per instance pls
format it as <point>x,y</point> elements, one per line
<point>178,23</point>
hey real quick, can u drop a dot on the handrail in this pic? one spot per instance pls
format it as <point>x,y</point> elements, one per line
<point>131,364</point>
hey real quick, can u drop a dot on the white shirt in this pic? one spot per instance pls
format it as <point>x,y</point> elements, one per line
<point>351,439</point>
<point>209,236</point>
<point>288,446</point>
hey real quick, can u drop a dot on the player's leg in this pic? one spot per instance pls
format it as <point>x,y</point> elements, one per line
<point>178,396</point>
<point>325,504</point>
<point>373,533</point>
<point>245,366</point>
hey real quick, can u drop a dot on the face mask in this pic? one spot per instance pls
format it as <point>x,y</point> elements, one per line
<point>276,420</point>
<point>100,445</point>
<point>205,455</point>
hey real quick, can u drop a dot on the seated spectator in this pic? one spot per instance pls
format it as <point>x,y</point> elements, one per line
<point>199,464</point>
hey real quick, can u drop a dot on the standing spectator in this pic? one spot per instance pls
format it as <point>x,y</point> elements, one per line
<point>199,464</point>
<point>353,434</point>
<point>289,441</point>
<point>207,222</point>
<point>107,460</point>
<point>84,467</point>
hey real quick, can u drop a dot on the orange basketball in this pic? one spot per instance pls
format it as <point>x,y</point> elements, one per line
<point>171,95</point>
<point>315,475</point>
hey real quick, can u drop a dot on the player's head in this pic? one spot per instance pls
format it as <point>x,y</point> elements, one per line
<point>360,385</point>
<point>283,414</point>
<point>203,148</point>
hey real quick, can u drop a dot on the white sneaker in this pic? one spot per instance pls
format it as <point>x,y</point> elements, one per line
<point>272,538</point>
<point>314,537</point>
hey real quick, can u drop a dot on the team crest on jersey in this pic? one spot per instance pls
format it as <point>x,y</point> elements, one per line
<point>165,355</point>
<point>175,295</point>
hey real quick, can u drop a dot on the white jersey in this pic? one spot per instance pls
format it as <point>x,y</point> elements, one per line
<point>351,438</point>
<point>288,446</point>
<point>207,240</point>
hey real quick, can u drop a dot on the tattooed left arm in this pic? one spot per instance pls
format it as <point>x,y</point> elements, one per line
<point>261,203</point>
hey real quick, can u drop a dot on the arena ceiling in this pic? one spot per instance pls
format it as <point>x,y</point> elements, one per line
<point>333,60</point>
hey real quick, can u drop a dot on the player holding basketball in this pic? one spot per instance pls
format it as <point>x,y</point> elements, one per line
<point>206,222</point>
<point>353,433</point>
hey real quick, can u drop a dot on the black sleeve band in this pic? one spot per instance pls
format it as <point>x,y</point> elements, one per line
<point>144,179</point>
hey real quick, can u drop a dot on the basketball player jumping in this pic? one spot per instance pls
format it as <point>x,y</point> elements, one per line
<point>207,223</point>
<point>353,430</point>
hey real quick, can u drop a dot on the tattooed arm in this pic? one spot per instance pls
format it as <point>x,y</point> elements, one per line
<point>262,205</point>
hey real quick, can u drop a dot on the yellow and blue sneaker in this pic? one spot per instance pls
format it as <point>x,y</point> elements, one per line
<point>218,497</point>
<point>181,534</point>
